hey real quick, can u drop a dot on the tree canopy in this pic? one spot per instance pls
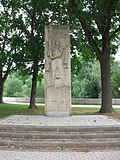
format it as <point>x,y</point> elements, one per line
<point>100,23</point>
<point>94,33</point>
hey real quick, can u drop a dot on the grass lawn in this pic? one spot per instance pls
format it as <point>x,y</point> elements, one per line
<point>90,111</point>
<point>15,109</point>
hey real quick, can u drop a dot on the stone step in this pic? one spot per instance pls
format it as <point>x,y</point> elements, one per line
<point>58,136</point>
<point>64,143</point>
<point>51,135</point>
<point>28,128</point>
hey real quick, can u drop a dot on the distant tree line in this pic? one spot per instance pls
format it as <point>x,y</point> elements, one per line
<point>19,86</point>
<point>86,84</point>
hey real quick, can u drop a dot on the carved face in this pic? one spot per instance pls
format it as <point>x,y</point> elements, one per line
<point>57,43</point>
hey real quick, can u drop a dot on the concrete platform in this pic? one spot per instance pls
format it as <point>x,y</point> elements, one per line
<point>82,120</point>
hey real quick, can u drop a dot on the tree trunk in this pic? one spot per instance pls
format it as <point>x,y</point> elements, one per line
<point>1,90</point>
<point>106,106</point>
<point>34,86</point>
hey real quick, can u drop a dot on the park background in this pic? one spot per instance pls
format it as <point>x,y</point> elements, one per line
<point>95,39</point>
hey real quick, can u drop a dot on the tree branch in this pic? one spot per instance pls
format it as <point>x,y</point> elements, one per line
<point>97,19</point>
<point>0,73</point>
<point>90,38</point>
<point>4,42</point>
<point>85,28</point>
<point>8,68</point>
<point>7,72</point>
<point>114,32</point>
<point>27,10</point>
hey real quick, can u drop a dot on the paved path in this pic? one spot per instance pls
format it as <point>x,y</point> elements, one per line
<point>93,106</point>
<point>73,105</point>
<point>82,120</point>
<point>15,155</point>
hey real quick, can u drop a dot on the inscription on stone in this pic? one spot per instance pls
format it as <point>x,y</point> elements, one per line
<point>57,71</point>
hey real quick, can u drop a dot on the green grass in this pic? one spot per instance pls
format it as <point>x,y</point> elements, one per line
<point>91,111</point>
<point>13,109</point>
<point>84,110</point>
<point>16,109</point>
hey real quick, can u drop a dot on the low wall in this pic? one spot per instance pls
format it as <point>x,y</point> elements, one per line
<point>86,101</point>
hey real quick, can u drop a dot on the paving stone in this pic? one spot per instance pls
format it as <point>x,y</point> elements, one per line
<point>15,155</point>
<point>83,120</point>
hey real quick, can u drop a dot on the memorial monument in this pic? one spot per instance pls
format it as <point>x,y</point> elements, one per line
<point>57,71</point>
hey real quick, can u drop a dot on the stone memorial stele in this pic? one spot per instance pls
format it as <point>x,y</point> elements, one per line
<point>57,71</point>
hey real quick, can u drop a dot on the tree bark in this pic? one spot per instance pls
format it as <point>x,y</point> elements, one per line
<point>3,79</point>
<point>1,85</point>
<point>34,86</point>
<point>35,59</point>
<point>1,90</point>
<point>106,106</point>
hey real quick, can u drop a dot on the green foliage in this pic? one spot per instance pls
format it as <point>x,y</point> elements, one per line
<point>87,83</point>
<point>40,90</point>
<point>13,87</point>
<point>20,86</point>
<point>10,37</point>
<point>98,18</point>
<point>116,80</point>
<point>27,87</point>
<point>90,88</point>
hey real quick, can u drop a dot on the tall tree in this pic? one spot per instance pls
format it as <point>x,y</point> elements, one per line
<point>10,41</point>
<point>100,23</point>
<point>33,20</point>
<point>37,15</point>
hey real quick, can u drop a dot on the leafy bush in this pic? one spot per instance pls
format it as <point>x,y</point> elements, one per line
<point>13,87</point>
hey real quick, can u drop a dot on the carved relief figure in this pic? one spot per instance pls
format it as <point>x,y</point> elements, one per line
<point>57,62</point>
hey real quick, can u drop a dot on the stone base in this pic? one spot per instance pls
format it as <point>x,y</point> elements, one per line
<point>58,101</point>
<point>58,114</point>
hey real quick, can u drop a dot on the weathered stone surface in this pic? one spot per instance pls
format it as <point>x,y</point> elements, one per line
<point>57,71</point>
